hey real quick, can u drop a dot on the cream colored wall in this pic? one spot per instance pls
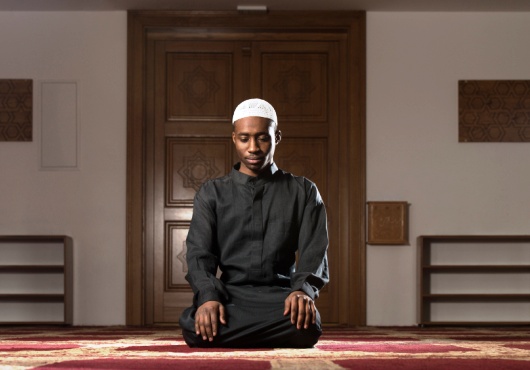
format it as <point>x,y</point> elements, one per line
<point>88,203</point>
<point>414,63</point>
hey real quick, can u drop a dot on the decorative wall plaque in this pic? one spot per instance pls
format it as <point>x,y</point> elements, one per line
<point>16,110</point>
<point>494,111</point>
<point>388,223</point>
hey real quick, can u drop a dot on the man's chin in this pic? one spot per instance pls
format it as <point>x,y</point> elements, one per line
<point>253,168</point>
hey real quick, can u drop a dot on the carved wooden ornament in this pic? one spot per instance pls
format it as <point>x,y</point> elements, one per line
<point>494,111</point>
<point>388,223</point>
<point>16,110</point>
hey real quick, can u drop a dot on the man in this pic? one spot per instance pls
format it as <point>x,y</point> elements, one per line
<point>250,224</point>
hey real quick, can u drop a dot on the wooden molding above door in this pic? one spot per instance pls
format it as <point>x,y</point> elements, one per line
<point>345,27</point>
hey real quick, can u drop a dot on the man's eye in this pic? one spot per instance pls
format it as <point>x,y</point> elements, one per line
<point>264,138</point>
<point>243,139</point>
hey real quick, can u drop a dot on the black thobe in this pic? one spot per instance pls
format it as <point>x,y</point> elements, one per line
<point>251,229</point>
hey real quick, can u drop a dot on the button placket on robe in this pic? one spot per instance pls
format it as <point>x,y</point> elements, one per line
<point>256,271</point>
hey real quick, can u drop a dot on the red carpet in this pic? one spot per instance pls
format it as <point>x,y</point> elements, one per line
<point>366,348</point>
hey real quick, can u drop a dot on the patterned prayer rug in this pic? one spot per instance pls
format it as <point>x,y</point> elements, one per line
<point>362,348</point>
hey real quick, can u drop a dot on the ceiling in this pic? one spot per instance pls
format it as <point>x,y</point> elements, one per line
<point>368,5</point>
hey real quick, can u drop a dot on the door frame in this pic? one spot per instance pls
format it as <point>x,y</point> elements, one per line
<point>352,184</point>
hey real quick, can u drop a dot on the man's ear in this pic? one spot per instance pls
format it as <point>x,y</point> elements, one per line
<point>278,137</point>
<point>233,137</point>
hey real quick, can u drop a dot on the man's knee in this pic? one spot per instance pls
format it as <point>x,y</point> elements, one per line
<point>303,338</point>
<point>193,340</point>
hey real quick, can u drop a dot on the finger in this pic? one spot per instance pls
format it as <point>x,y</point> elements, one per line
<point>222,316</point>
<point>197,329</point>
<point>212,329</point>
<point>198,324</point>
<point>294,310</point>
<point>287,308</point>
<point>203,326</point>
<point>301,312</point>
<point>308,313</point>
<point>314,309</point>
<point>294,314</point>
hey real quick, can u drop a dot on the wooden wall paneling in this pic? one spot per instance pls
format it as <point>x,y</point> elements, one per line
<point>16,110</point>
<point>494,111</point>
<point>354,137</point>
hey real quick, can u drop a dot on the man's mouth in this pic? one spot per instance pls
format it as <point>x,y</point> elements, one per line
<point>253,160</point>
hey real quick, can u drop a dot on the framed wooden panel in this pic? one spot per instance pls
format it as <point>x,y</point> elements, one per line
<point>292,155</point>
<point>198,86</point>
<point>16,110</point>
<point>494,111</point>
<point>299,81</point>
<point>190,162</point>
<point>388,223</point>
<point>176,265</point>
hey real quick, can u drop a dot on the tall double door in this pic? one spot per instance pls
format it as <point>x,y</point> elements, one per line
<point>193,86</point>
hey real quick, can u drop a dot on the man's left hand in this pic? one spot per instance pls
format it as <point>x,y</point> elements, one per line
<point>302,309</point>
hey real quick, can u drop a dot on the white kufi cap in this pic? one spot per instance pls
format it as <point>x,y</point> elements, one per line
<point>255,108</point>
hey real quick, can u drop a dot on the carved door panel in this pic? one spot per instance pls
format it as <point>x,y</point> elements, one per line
<point>196,86</point>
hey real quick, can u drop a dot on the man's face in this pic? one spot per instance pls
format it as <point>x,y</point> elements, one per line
<point>255,142</point>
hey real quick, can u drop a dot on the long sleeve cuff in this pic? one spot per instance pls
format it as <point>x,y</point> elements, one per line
<point>205,296</point>
<point>308,289</point>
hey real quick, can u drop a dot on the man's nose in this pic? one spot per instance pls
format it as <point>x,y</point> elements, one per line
<point>253,147</point>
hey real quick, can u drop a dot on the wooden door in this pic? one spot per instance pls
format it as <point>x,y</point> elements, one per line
<point>302,80</point>
<point>193,81</point>
<point>192,104</point>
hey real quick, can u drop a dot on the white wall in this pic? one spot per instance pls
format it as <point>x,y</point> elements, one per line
<point>414,63</point>
<point>88,203</point>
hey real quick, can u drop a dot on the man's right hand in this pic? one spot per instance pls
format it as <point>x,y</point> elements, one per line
<point>207,319</point>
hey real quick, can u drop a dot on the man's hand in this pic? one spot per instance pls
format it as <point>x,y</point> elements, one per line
<point>207,319</point>
<point>302,309</point>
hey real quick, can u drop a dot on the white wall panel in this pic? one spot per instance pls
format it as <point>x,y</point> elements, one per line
<point>59,125</point>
